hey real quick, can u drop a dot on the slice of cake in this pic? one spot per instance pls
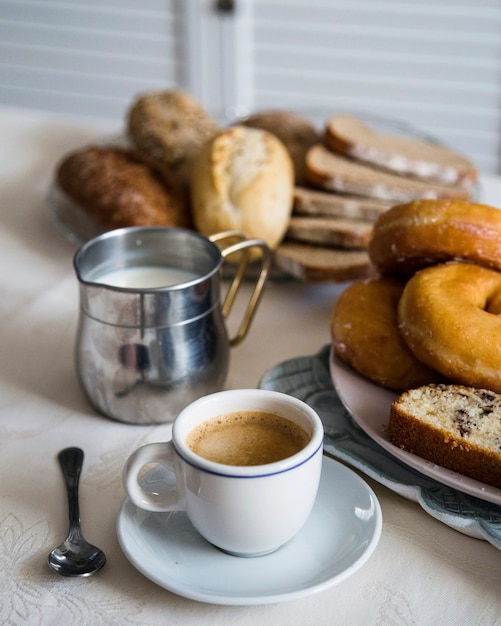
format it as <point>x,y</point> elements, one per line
<point>453,426</point>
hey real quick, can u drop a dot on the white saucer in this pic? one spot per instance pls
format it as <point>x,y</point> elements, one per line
<point>369,406</point>
<point>339,537</point>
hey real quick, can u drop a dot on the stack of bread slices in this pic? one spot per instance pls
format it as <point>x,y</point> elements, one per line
<point>354,172</point>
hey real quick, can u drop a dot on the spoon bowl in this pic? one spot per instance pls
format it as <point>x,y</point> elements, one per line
<point>82,559</point>
<point>75,556</point>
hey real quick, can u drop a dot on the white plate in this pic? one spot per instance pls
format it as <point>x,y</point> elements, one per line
<point>309,379</point>
<point>369,405</point>
<point>339,537</point>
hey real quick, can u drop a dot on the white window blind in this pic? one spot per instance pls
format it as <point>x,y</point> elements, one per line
<point>88,58</point>
<point>433,63</point>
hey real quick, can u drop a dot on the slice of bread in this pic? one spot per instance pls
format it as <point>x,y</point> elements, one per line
<point>330,231</point>
<point>332,171</point>
<point>400,154</point>
<point>319,264</point>
<point>314,202</point>
<point>453,426</point>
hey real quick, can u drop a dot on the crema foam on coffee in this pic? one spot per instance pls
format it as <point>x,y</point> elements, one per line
<point>247,438</point>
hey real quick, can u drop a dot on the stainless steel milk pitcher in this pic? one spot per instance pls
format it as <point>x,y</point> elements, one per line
<point>145,349</point>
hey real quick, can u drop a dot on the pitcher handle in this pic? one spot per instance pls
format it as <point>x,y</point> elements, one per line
<point>243,246</point>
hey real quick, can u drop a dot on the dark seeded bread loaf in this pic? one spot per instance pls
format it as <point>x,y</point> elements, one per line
<point>296,132</point>
<point>453,426</point>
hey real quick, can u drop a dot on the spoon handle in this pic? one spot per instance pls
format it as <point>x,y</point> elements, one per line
<point>71,461</point>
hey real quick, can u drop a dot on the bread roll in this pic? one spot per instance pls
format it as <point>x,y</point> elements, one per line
<point>117,189</point>
<point>168,129</point>
<point>243,179</point>
<point>296,132</point>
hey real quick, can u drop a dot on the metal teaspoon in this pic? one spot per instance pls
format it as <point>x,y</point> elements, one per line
<point>75,556</point>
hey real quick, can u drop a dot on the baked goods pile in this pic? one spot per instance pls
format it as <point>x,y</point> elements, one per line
<point>313,195</point>
<point>178,167</point>
<point>168,128</point>
<point>142,179</point>
<point>430,321</point>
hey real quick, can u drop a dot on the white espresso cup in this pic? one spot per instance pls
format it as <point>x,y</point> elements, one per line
<point>246,510</point>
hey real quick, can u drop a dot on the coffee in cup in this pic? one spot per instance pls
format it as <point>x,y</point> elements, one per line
<point>247,438</point>
<point>247,465</point>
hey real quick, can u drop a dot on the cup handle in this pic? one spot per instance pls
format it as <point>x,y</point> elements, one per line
<point>164,454</point>
<point>244,247</point>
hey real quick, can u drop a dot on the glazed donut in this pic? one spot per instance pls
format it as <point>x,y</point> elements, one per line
<point>411,236</point>
<point>449,317</point>
<point>365,335</point>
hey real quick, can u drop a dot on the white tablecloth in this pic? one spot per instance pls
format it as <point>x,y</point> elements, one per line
<point>422,571</point>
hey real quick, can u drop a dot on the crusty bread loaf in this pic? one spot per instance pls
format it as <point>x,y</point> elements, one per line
<point>330,231</point>
<point>401,154</point>
<point>168,128</point>
<point>118,189</point>
<point>320,264</point>
<point>296,132</point>
<point>314,202</point>
<point>453,426</point>
<point>332,171</point>
<point>243,180</point>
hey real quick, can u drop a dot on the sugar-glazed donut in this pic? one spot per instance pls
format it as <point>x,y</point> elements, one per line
<point>365,335</point>
<point>411,236</point>
<point>448,315</point>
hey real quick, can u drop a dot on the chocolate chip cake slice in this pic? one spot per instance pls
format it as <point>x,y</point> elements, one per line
<point>453,426</point>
